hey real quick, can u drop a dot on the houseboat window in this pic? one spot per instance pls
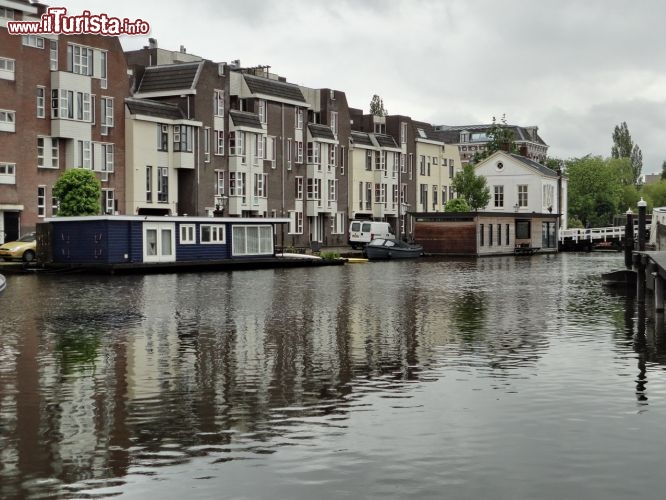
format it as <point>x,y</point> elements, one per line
<point>252,240</point>
<point>507,234</point>
<point>212,233</point>
<point>481,229</point>
<point>166,242</point>
<point>523,230</point>
<point>490,235</point>
<point>187,234</point>
<point>548,235</point>
<point>151,242</point>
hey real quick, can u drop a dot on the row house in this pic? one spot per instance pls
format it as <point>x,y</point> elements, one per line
<point>423,164</point>
<point>436,166</point>
<point>472,140</point>
<point>61,105</point>
<point>376,192</point>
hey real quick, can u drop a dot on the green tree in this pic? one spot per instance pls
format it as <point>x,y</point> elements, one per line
<point>377,106</point>
<point>654,194</point>
<point>471,187</point>
<point>624,147</point>
<point>78,192</point>
<point>456,205</point>
<point>500,137</point>
<point>663,169</point>
<point>595,191</point>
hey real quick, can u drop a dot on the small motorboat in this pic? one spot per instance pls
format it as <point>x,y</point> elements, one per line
<point>3,283</point>
<point>385,248</point>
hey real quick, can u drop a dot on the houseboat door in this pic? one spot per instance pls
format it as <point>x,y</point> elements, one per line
<point>159,242</point>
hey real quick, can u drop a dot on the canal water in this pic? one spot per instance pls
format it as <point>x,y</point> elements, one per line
<point>504,378</point>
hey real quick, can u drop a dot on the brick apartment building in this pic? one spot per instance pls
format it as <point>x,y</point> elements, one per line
<point>61,102</point>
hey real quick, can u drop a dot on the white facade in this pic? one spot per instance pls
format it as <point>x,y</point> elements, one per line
<point>520,185</point>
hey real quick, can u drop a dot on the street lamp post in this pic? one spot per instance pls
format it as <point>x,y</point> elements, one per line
<point>629,239</point>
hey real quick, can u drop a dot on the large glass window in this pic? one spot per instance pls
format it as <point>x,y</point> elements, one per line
<point>548,239</point>
<point>252,240</point>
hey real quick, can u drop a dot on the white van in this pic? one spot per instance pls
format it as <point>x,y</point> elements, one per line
<point>362,232</point>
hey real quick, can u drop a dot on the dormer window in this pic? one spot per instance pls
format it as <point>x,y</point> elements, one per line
<point>422,133</point>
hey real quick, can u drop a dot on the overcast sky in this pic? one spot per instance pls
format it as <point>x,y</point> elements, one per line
<point>574,68</point>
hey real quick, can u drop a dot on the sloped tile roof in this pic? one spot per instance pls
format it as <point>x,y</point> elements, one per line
<point>275,88</point>
<point>535,165</point>
<point>154,108</point>
<point>321,131</point>
<point>169,77</point>
<point>245,119</point>
<point>386,141</point>
<point>361,138</point>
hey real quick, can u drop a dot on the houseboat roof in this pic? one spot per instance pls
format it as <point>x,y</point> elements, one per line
<point>177,218</point>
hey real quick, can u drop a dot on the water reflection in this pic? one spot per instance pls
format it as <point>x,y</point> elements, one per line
<point>113,377</point>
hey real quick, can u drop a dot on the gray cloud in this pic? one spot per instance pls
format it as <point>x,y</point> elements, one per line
<point>575,69</point>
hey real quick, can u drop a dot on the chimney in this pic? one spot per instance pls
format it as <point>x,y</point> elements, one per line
<point>183,50</point>
<point>152,43</point>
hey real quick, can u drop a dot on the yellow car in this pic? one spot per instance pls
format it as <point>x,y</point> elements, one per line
<point>25,248</point>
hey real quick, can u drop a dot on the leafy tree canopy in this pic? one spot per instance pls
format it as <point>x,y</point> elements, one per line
<point>663,169</point>
<point>500,136</point>
<point>78,192</point>
<point>624,147</point>
<point>471,187</point>
<point>595,192</point>
<point>456,205</point>
<point>377,106</point>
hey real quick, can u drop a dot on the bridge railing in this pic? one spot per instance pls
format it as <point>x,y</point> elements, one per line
<point>596,233</point>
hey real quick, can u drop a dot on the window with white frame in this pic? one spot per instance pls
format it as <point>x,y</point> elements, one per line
<point>522,195</point>
<point>162,185</point>
<point>206,144</point>
<point>270,149</point>
<point>107,158</point>
<point>260,147</point>
<point>108,201</point>
<point>41,102</point>
<point>548,196</point>
<point>183,138</point>
<point>33,41</point>
<point>236,143</point>
<point>219,183</point>
<point>262,111</point>
<point>295,222</point>
<point>55,152</point>
<point>106,118</point>
<point>260,185</point>
<point>403,133</point>
<point>7,120</point>
<point>288,153</point>
<point>299,118</point>
<point>40,152</point>
<point>332,190</point>
<point>338,223</point>
<point>84,156</point>
<point>314,189</point>
<point>149,184</point>
<point>104,69</point>
<point>252,240</point>
<point>299,151</point>
<point>187,234</point>
<point>332,158</point>
<point>53,55</point>
<point>79,59</point>
<point>237,185</point>
<point>41,201</point>
<point>212,234</point>
<point>219,142</point>
<point>7,68</point>
<point>7,173</point>
<point>342,160</point>
<point>162,137</point>
<point>380,160</point>
<point>298,192</point>
<point>6,13</point>
<point>334,122</point>
<point>218,102</point>
<point>499,196</point>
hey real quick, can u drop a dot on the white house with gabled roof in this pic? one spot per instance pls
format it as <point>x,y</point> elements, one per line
<point>523,186</point>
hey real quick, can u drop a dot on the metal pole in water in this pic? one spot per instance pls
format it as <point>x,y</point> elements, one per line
<point>628,239</point>
<point>642,208</point>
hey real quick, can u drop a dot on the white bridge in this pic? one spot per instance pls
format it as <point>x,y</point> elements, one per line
<point>597,234</point>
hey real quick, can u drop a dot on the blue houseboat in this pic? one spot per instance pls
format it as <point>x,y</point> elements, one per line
<point>143,243</point>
